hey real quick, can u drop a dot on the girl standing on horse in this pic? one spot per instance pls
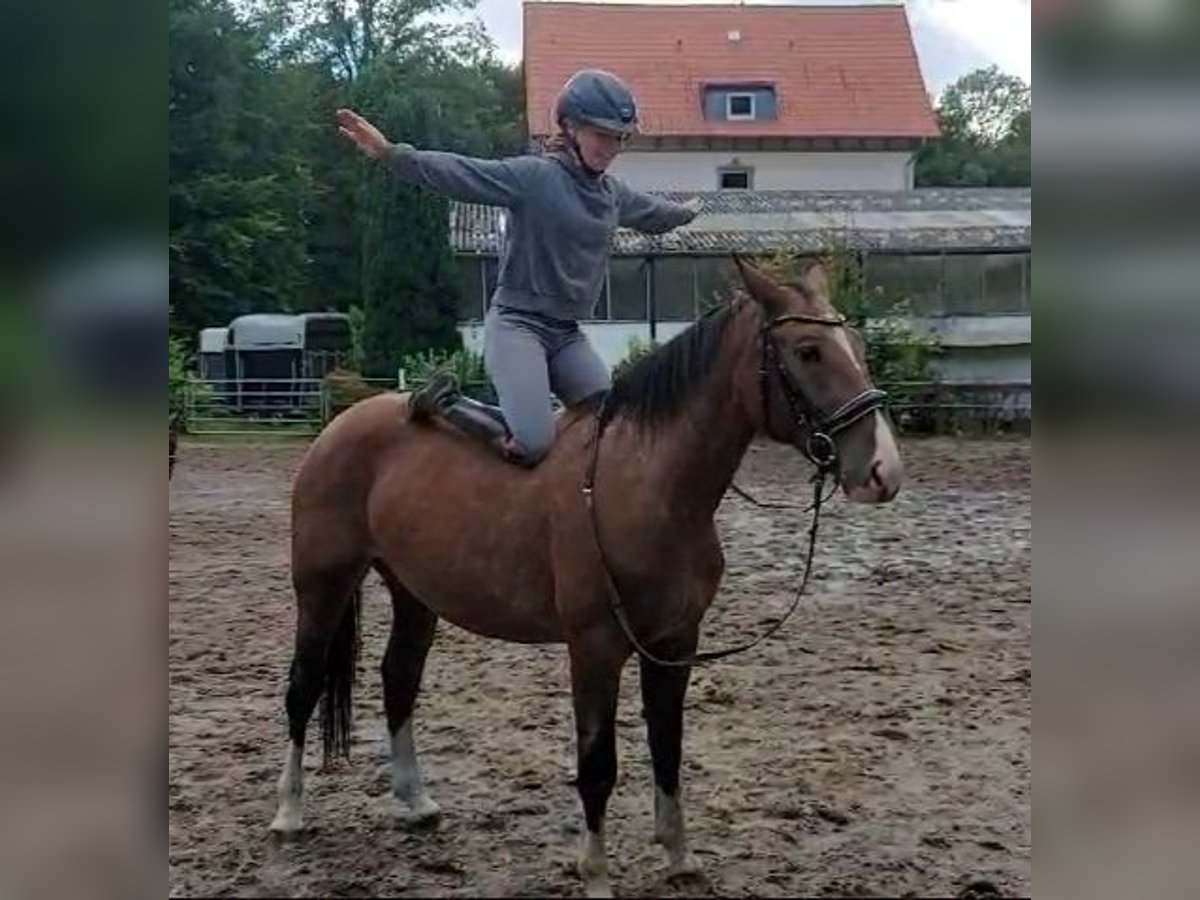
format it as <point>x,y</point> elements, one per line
<point>563,211</point>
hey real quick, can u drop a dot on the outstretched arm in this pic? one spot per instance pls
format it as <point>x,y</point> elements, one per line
<point>653,215</point>
<point>496,182</point>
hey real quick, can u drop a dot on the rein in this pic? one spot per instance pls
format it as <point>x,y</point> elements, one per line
<point>818,447</point>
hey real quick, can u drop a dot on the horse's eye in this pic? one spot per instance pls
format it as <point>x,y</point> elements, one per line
<point>809,353</point>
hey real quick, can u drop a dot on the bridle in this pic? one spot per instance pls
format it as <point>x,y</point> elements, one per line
<point>818,447</point>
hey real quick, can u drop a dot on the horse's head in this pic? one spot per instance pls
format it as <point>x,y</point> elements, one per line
<point>812,388</point>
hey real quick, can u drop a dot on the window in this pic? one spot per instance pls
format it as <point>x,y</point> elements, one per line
<point>490,276</point>
<point>627,289</point>
<point>674,289</point>
<point>470,288</point>
<point>740,101</point>
<point>715,278</point>
<point>733,179</point>
<point>739,106</point>
<point>600,310</point>
<point>915,279</point>
<point>963,295</point>
<point>1004,290</point>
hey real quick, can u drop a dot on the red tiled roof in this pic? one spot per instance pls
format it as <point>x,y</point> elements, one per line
<point>838,71</point>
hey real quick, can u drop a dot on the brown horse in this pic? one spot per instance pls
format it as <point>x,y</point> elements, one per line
<point>511,553</point>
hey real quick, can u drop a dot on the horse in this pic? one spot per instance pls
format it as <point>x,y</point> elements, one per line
<point>625,501</point>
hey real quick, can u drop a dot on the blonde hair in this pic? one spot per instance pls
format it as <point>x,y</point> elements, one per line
<point>557,143</point>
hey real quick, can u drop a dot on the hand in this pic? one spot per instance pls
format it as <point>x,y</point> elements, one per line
<point>695,205</point>
<point>370,140</point>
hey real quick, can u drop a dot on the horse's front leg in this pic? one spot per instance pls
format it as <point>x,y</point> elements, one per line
<point>596,663</point>
<point>663,690</point>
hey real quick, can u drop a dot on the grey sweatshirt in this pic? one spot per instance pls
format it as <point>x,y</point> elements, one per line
<point>560,224</point>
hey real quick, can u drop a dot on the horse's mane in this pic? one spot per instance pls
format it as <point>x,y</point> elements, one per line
<point>656,387</point>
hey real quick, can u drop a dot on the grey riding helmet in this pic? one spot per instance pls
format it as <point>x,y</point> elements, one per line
<point>600,99</point>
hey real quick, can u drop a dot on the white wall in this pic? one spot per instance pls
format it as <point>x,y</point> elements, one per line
<point>696,170</point>
<point>985,365</point>
<point>977,331</point>
<point>978,349</point>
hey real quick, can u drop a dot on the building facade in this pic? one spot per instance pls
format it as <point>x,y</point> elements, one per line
<point>737,97</point>
<point>960,259</point>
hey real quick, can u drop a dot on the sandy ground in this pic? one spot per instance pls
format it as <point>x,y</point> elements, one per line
<point>878,745</point>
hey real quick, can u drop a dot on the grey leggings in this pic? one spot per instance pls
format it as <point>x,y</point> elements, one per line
<point>528,356</point>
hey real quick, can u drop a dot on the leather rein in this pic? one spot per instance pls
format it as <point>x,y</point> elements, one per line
<point>817,446</point>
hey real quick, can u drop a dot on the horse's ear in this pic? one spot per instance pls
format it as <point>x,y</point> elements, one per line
<point>816,280</point>
<point>762,287</point>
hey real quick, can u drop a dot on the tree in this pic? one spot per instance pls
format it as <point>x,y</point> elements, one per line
<point>983,105</point>
<point>271,209</point>
<point>237,190</point>
<point>985,122</point>
<point>446,97</point>
<point>899,357</point>
<point>409,291</point>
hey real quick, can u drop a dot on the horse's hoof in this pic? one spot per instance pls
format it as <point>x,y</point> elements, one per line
<point>688,867</point>
<point>597,887</point>
<point>595,884</point>
<point>422,815</point>
<point>288,823</point>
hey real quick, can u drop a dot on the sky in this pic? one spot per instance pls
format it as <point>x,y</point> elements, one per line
<point>953,37</point>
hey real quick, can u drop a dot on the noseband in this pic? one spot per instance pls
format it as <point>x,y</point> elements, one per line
<point>818,446</point>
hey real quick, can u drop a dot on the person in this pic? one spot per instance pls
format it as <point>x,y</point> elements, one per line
<point>563,208</point>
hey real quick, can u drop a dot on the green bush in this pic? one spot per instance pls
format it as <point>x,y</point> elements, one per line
<point>899,357</point>
<point>466,365</point>
<point>636,348</point>
<point>344,388</point>
<point>177,377</point>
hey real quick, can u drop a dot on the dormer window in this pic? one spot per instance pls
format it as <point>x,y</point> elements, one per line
<point>739,106</point>
<point>740,101</point>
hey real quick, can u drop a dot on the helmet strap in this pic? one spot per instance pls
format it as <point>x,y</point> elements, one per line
<point>574,145</point>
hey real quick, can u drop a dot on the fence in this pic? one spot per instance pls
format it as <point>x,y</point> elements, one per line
<point>290,406</point>
<point>285,406</point>
<point>940,407</point>
<point>269,406</point>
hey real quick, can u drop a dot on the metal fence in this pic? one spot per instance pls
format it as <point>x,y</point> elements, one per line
<point>287,406</point>
<point>267,406</point>
<point>940,407</point>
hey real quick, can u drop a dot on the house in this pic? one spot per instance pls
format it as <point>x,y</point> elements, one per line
<point>961,257</point>
<point>743,97</point>
<point>795,126</point>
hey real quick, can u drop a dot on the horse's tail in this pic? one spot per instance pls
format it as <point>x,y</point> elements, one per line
<point>341,663</point>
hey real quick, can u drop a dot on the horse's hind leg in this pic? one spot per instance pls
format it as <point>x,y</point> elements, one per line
<point>413,627</point>
<point>323,661</point>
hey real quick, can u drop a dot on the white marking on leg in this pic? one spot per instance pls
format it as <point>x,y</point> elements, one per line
<point>593,864</point>
<point>289,817</point>
<point>670,832</point>
<point>570,760</point>
<point>407,786</point>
